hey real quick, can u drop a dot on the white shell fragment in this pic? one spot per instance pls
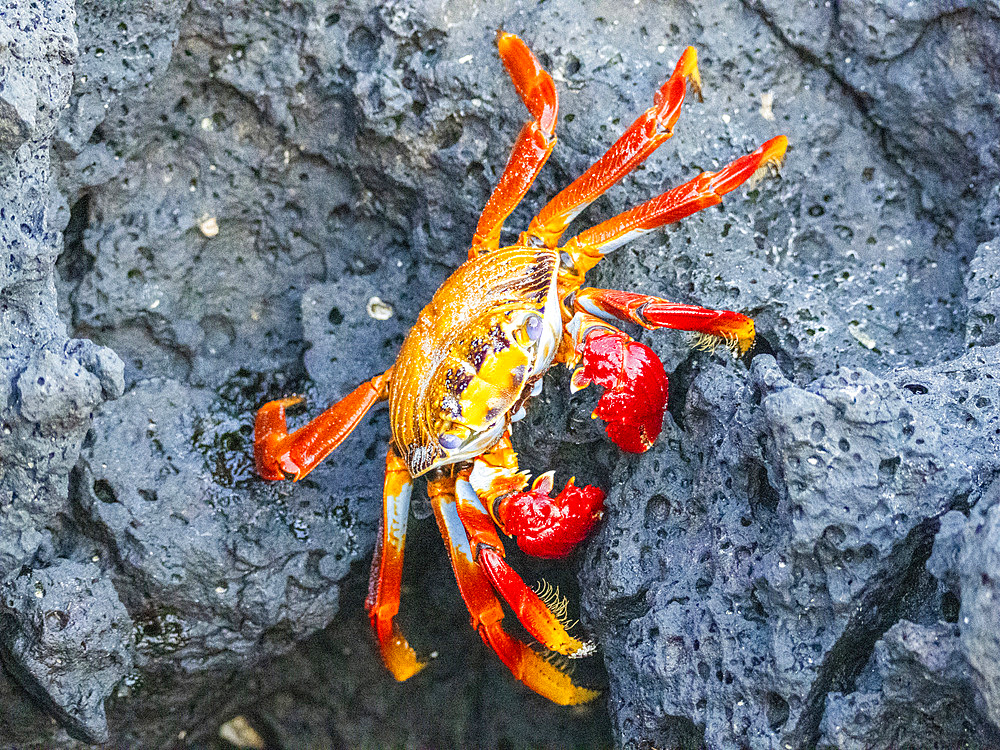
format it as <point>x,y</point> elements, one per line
<point>209,226</point>
<point>378,309</point>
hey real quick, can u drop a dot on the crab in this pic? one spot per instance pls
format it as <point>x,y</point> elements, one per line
<point>477,354</point>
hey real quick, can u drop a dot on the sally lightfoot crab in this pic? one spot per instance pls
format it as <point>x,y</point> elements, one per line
<point>477,354</point>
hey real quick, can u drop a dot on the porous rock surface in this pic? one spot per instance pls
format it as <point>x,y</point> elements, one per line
<point>251,199</point>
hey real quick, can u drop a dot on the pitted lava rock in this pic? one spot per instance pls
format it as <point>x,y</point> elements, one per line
<point>205,205</point>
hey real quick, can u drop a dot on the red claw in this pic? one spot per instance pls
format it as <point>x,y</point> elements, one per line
<point>635,383</point>
<point>546,526</point>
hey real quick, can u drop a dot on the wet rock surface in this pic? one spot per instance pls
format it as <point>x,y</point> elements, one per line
<point>253,200</point>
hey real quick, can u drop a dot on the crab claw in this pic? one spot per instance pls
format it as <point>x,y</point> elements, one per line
<point>550,526</point>
<point>635,383</point>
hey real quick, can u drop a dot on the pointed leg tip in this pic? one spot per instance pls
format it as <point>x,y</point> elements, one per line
<point>270,461</point>
<point>271,475</point>
<point>690,60</point>
<point>294,470</point>
<point>587,648</point>
<point>402,674</point>
<point>584,695</point>
<point>578,381</point>
<point>284,403</point>
<point>774,151</point>
<point>779,143</point>
<point>400,658</point>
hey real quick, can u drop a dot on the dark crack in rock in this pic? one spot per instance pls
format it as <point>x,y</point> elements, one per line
<point>914,693</point>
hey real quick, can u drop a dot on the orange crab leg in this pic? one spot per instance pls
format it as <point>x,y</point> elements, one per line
<point>533,146</point>
<point>526,665</point>
<point>643,136</point>
<point>487,549</point>
<point>495,474</point>
<point>736,329</point>
<point>382,603</point>
<point>277,453</point>
<point>705,190</point>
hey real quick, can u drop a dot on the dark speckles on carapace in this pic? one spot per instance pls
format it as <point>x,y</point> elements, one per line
<point>451,406</point>
<point>498,339</point>
<point>478,349</point>
<point>456,381</point>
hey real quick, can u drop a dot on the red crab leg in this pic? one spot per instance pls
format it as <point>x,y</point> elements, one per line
<point>705,190</point>
<point>386,578</point>
<point>533,146</point>
<point>544,526</point>
<point>635,383</point>
<point>542,676</point>
<point>277,453</point>
<point>635,395</point>
<point>735,329</point>
<point>487,550</point>
<point>643,136</point>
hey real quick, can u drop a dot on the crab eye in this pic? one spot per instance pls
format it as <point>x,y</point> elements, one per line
<point>533,327</point>
<point>449,441</point>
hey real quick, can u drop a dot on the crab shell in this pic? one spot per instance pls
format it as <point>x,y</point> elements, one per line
<point>474,356</point>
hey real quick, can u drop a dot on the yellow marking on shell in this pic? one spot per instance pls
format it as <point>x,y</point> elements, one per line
<point>494,387</point>
<point>497,377</point>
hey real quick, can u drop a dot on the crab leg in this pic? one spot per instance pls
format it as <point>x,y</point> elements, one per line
<point>705,190</point>
<point>533,146</point>
<point>487,550</point>
<point>635,395</point>
<point>277,453</point>
<point>643,136</point>
<point>386,578</point>
<point>735,329</point>
<point>544,526</point>
<point>542,676</point>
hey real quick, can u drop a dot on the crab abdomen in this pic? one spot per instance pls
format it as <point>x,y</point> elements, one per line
<point>489,333</point>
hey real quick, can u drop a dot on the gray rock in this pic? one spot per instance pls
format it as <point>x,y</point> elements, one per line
<point>237,181</point>
<point>983,288</point>
<point>37,49</point>
<point>225,570</point>
<point>916,694</point>
<point>68,640</point>
<point>914,71</point>
<point>49,386</point>
<point>122,48</point>
<point>979,618</point>
<point>748,564</point>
